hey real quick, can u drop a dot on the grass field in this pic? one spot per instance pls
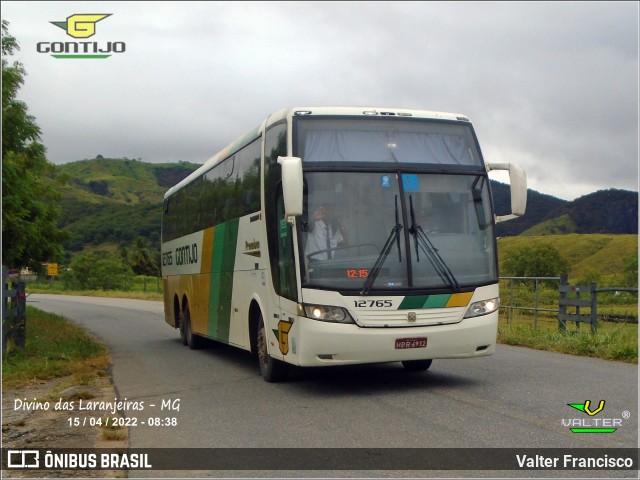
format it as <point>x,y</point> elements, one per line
<point>524,326</point>
<point>612,341</point>
<point>54,348</point>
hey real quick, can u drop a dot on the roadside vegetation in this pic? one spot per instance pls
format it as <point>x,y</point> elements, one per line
<point>141,287</point>
<point>528,315</point>
<point>612,340</point>
<point>55,348</point>
<point>59,360</point>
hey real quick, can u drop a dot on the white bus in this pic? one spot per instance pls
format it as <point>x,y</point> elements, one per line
<point>336,236</point>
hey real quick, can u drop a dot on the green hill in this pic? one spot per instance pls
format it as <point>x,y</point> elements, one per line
<point>123,180</point>
<point>556,226</point>
<point>115,200</point>
<point>602,254</point>
<point>540,208</point>
<point>604,211</point>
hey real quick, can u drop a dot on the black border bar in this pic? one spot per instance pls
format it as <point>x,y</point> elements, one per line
<point>330,459</point>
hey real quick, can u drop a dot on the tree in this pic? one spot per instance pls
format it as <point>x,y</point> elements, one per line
<point>98,270</point>
<point>142,259</point>
<point>30,201</point>
<point>540,260</point>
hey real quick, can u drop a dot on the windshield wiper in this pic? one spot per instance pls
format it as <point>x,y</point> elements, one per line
<point>394,235</point>
<point>422,242</point>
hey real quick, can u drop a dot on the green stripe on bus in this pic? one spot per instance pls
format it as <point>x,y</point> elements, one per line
<point>437,301</point>
<point>222,264</point>
<point>424,301</point>
<point>414,302</point>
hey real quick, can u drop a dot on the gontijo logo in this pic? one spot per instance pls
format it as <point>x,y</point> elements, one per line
<point>81,26</point>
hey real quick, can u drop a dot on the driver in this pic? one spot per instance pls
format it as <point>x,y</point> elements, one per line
<point>326,233</point>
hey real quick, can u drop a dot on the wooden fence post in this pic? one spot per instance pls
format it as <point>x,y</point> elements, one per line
<point>578,302</point>
<point>562,306</point>
<point>594,307</point>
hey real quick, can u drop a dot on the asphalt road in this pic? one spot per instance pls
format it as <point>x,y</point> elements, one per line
<point>516,398</point>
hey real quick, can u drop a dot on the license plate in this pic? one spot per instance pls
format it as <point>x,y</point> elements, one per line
<point>419,342</point>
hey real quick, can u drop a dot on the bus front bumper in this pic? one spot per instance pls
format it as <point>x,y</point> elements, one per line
<point>344,344</point>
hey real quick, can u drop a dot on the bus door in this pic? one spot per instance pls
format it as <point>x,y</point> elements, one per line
<point>286,287</point>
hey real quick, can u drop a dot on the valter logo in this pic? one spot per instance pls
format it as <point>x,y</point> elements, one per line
<point>81,26</point>
<point>585,407</point>
<point>592,424</point>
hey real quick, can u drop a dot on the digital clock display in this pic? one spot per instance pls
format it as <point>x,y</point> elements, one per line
<point>357,272</point>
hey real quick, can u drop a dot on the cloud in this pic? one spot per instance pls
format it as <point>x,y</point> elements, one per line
<point>550,85</point>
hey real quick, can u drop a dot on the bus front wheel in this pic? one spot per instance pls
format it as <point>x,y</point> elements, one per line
<point>272,370</point>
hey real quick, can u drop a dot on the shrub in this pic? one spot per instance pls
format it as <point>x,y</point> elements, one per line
<point>540,260</point>
<point>98,271</point>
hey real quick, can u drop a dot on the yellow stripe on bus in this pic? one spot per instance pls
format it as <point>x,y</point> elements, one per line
<point>207,250</point>
<point>459,299</point>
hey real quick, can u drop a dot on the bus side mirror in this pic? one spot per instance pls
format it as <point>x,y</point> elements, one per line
<point>292,185</point>
<point>518,186</point>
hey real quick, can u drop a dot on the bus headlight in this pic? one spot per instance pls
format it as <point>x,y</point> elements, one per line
<point>327,313</point>
<point>482,307</point>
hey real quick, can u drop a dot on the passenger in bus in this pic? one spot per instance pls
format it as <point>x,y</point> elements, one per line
<point>325,233</point>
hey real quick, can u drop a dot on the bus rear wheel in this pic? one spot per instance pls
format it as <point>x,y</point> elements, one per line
<point>186,332</point>
<point>416,365</point>
<point>183,332</point>
<point>272,370</point>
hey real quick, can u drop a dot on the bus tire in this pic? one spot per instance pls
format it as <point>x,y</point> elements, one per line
<point>272,370</point>
<point>183,331</point>
<point>179,319</point>
<point>416,365</point>
<point>192,340</point>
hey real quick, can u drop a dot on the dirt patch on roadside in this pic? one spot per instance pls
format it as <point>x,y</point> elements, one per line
<point>27,426</point>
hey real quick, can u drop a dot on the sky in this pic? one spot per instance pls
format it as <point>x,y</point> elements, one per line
<point>550,86</point>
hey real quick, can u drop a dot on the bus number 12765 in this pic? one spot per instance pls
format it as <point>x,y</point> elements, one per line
<point>373,303</point>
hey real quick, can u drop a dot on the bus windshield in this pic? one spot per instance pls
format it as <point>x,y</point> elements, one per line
<point>380,140</point>
<point>386,230</point>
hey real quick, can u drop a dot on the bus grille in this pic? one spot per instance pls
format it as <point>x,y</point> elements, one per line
<point>405,318</point>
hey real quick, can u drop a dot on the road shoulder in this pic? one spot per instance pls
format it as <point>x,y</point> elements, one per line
<point>48,428</point>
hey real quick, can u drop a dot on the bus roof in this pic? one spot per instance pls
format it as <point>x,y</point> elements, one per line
<point>366,111</point>
<point>361,111</point>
